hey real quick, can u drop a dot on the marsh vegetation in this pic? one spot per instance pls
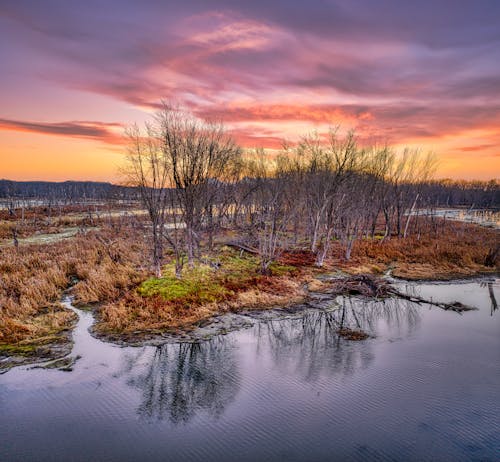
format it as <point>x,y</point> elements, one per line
<point>203,228</point>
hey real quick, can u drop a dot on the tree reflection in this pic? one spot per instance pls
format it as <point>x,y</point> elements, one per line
<point>376,317</point>
<point>182,379</point>
<point>178,381</point>
<point>493,300</point>
<point>310,344</point>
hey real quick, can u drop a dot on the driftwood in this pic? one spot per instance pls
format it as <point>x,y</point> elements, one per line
<point>369,286</point>
<point>454,306</point>
<point>363,284</point>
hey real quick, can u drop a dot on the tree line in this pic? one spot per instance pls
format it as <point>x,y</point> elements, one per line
<point>194,181</point>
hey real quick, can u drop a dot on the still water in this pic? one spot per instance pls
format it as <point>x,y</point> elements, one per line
<point>425,386</point>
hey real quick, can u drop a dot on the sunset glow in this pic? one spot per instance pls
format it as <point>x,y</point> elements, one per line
<point>420,74</point>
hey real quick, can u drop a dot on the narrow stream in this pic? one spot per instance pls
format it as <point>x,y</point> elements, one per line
<point>424,386</point>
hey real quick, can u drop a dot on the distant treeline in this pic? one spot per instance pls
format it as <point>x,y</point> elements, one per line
<point>438,193</point>
<point>460,193</point>
<point>67,191</point>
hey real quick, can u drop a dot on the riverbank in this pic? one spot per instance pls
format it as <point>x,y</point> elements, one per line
<point>108,273</point>
<point>325,294</point>
<point>458,251</point>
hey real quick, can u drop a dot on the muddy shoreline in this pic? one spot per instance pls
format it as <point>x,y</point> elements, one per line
<point>39,353</point>
<point>223,323</point>
<point>203,330</point>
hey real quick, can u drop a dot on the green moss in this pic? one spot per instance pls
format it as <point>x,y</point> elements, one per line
<point>208,282</point>
<point>248,265</point>
<point>281,270</point>
<point>17,350</point>
<point>197,283</point>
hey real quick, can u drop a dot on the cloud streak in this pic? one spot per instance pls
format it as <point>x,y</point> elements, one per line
<point>97,131</point>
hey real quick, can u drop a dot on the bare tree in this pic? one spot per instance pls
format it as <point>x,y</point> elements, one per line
<point>327,166</point>
<point>178,163</point>
<point>407,171</point>
<point>200,156</point>
<point>150,172</point>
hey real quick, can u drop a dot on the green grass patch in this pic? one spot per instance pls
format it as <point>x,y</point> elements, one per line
<point>281,270</point>
<point>248,265</point>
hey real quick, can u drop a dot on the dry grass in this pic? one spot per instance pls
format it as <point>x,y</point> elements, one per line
<point>458,250</point>
<point>41,213</point>
<point>109,267</point>
<point>169,303</point>
<point>135,314</point>
<point>33,278</point>
<point>43,220</point>
<point>283,291</point>
<point>317,285</point>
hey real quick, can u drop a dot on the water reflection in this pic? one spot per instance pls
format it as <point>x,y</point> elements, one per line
<point>180,380</point>
<point>310,345</point>
<point>491,293</point>
<point>392,314</point>
<point>177,381</point>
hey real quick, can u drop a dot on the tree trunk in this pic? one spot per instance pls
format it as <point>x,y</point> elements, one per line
<point>321,255</point>
<point>387,232</point>
<point>348,250</point>
<point>409,216</point>
<point>14,236</point>
<point>314,241</point>
<point>190,244</point>
<point>210,228</point>
<point>157,251</point>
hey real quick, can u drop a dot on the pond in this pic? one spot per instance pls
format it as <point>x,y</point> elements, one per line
<point>490,218</point>
<point>424,386</point>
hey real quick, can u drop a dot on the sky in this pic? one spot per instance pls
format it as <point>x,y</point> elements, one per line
<point>422,74</point>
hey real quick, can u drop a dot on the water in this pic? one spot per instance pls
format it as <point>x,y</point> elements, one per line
<point>489,218</point>
<point>426,386</point>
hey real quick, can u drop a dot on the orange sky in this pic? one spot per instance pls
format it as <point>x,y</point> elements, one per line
<point>34,156</point>
<point>70,86</point>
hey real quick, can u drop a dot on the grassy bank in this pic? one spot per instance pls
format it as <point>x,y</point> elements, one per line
<point>102,266</point>
<point>229,284</point>
<point>459,250</point>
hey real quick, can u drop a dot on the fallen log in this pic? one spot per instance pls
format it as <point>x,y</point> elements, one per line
<point>362,284</point>
<point>239,245</point>
<point>369,286</point>
<point>453,306</point>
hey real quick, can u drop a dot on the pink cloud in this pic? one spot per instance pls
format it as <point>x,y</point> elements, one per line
<point>99,131</point>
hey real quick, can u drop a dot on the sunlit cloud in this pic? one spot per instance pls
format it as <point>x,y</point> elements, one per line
<point>426,74</point>
<point>219,33</point>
